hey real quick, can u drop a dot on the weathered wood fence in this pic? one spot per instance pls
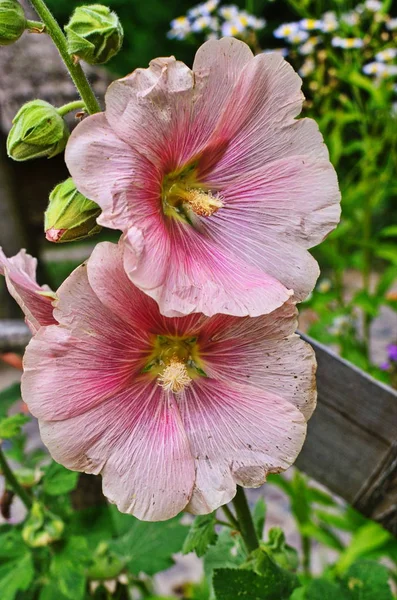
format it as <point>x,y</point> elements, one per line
<point>351,445</point>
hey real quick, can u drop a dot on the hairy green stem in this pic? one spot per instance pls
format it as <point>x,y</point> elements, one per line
<point>35,26</point>
<point>75,70</point>
<point>230,517</point>
<point>244,518</point>
<point>12,481</point>
<point>70,106</point>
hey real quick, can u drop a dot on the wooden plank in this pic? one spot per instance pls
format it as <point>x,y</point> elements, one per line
<point>351,445</point>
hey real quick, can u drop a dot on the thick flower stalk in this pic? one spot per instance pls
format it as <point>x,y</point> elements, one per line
<point>218,189</point>
<point>173,412</point>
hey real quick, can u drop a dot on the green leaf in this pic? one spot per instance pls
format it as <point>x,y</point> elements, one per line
<point>16,575</point>
<point>8,397</point>
<point>389,231</point>
<point>58,480</point>
<point>201,535</point>
<point>320,497</point>
<point>322,589</point>
<point>283,554</point>
<point>322,534</point>
<point>68,568</point>
<point>367,580</point>
<point>366,539</point>
<point>386,280</point>
<point>148,547</point>
<point>227,552</point>
<point>50,591</point>
<point>230,584</point>
<point>11,426</point>
<point>259,516</point>
<point>300,504</point>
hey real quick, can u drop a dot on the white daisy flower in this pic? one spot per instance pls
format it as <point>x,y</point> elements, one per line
<point>297,37</point>
<point>307,68</point>
<point>180,28</point>
<point>229,12</point>
<point>387,54</point>
<point>351,18</point>
<point>310,24</point>
<point>391,24</point>
<point>329,22</point>
<point>347,43</point>
<point>373,5</point>
<point>324,286</point>
<point>285,30</point>
<point>202,23</point>
<point>374,68</point>
<point>309,46</point>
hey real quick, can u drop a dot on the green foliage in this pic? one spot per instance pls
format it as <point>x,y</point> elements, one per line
<point>11,426</point>
<point>8,397</point>
<point>58,480</point>
<point>148,547</point>
<point>201,535</point>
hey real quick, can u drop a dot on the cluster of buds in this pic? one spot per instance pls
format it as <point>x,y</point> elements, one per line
<point>94,34</point>
<point>12,22</point>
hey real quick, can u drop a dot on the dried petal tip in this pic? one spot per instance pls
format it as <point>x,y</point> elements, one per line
<point>202,203</point>
<point>175,376</point>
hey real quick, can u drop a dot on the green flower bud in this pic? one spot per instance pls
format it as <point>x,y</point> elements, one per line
<point>12,22</point>
<point>42,527</point>
<point>38,130</point>
<point>70,216</point>
<point>104,564</point>
<point>94,34</point>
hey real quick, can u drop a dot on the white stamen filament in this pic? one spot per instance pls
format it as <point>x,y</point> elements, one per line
<point>175,376</point>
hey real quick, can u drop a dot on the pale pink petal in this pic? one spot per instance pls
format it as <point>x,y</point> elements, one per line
<point>154,105</point>
<point>263,352</point>
<point>34,300</point>
<point>109,172</point>
<point>238,434</point>
<point>137,442</point>
<point>85,360</point>
<point>199,277</point>
<point>258,121</point>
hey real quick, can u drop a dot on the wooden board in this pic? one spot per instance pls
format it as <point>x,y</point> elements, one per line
<point>351,445</point>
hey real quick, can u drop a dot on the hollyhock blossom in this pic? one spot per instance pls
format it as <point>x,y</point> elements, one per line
<point>35,300</point>
<point>173,412</point>
<point>218,190</point>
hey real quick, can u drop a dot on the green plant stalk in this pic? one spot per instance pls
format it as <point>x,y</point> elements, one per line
<point>70,107</point>
<point>12,481</point>
<point>230,517</point>
<point>244,518</point>
<point>75,70</point>
<point>306,552</point>
<point>35,26</point>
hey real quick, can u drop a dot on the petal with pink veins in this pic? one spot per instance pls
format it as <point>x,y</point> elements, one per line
<point>136,440</point>
<point>238,435</point>
<point>35,300</point>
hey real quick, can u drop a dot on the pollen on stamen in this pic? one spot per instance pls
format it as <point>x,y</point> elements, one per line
<point>203,203</point>
<point>175,377</point>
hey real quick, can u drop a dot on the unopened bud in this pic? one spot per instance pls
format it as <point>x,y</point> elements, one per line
<point>38,130</point>
<point>70,216</point>
<point>12,22</point>
<point>94,34</point>
<point>42,527</point>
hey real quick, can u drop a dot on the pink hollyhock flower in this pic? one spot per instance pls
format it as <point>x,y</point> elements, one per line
<point>35,300</point>
<point>173,412</point>
<point>218,189</point>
